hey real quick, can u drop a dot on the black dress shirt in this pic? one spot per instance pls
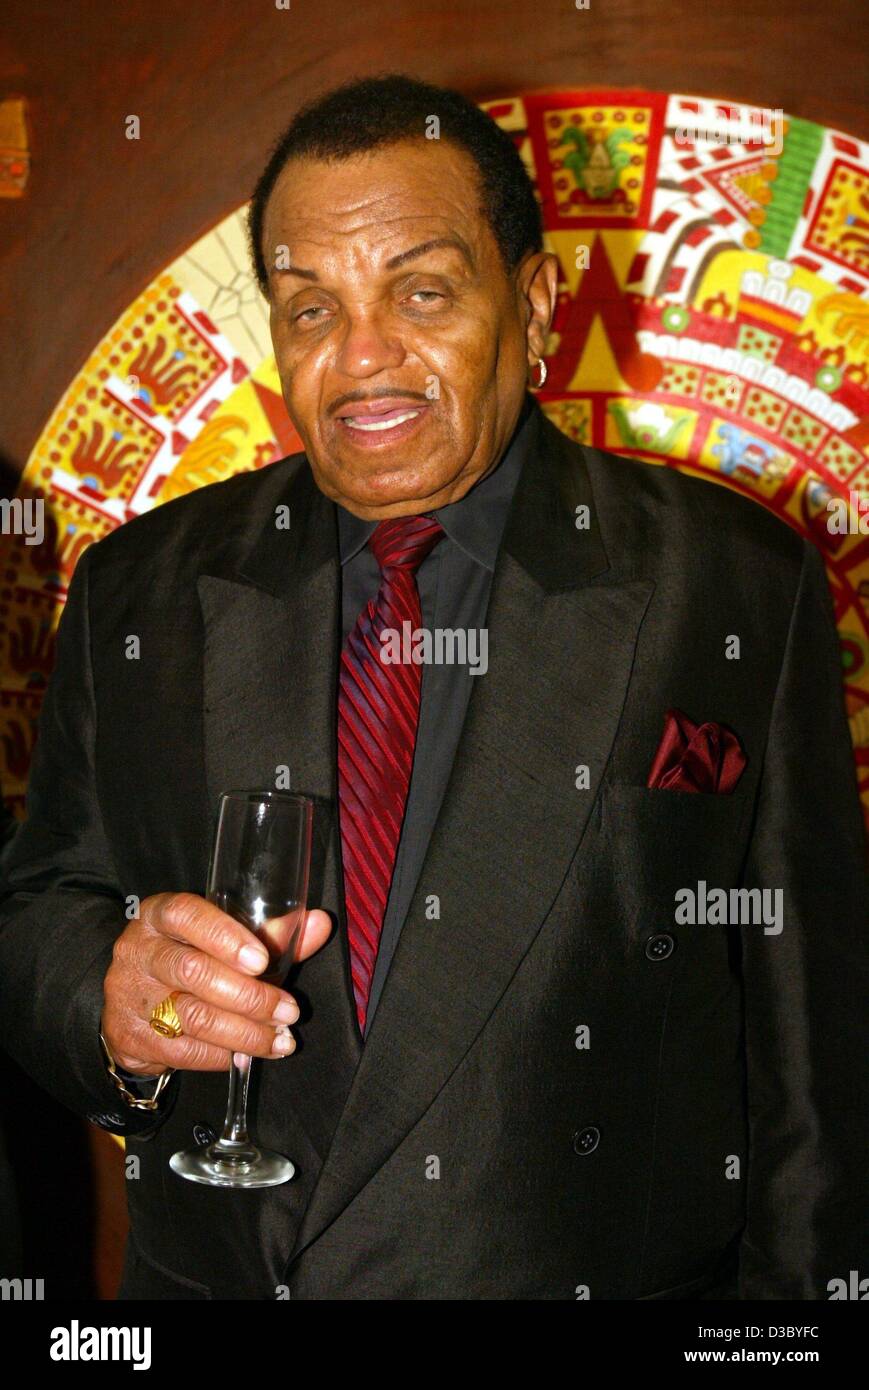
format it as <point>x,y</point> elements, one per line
<point>454,582</point>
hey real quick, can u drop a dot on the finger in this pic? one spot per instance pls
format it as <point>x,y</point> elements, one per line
<point>315,932</point>
<point>143,1050</point>
<point>217,1027</point>
<point>188,917</point>
<point>179,966</point>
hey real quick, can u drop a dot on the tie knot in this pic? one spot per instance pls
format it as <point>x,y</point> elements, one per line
<point>404,541</point>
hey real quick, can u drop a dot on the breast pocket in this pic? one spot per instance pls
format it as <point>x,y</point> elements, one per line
<point>654,843</point>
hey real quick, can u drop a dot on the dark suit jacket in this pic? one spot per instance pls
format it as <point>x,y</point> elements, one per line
<point>470,1149</point>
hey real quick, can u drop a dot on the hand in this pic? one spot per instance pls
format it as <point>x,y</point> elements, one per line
<point>182,942</point>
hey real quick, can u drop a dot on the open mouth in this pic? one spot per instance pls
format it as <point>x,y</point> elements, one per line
<point>383,426</point>
<point>389,421</point>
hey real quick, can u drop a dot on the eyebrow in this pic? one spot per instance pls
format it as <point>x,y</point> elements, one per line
<point>395,261</point>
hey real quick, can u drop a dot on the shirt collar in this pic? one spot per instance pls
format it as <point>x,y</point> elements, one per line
<point>476,522</point>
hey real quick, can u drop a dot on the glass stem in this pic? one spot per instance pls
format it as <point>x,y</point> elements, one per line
<point>235,1125</point>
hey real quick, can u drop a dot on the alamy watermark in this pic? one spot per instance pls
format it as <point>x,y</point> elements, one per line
<point>734,907</point>
<point>22,1290</point>
<point>851,1288</point>
<point>849,518</point>
<point>23,517</point>
<point>440,646</point>
<point>764,127</point>
<point>77,1343</point>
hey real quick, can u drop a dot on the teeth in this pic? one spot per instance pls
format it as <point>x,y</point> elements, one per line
<point>382,424</point>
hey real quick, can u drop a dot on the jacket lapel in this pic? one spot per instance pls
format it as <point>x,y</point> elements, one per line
<point>272,640</point>
<point>563,627</point>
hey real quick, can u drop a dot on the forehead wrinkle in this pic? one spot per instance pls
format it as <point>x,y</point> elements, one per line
<point>453,214</point>
<point>437,191</point>
<point>316,229</point>
<point>387,242</point>
<point>396,191</point>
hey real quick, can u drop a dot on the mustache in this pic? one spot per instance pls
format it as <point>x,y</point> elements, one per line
<point>366,397</point>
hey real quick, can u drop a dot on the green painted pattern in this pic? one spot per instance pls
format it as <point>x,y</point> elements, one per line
<point>801,147</point>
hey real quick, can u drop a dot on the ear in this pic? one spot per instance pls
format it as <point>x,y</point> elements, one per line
<point>537,287</point>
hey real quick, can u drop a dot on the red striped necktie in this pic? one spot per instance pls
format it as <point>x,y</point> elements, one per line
<point>378,713</point>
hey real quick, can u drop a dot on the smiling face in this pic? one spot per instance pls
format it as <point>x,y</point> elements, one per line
<point>401,342</point>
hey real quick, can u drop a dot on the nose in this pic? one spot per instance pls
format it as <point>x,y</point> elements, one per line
<point>369,345</point>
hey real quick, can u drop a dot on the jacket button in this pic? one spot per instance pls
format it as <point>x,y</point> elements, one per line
<point>203,1134</point>
<point>660,946</point>
<point>585,1141</point>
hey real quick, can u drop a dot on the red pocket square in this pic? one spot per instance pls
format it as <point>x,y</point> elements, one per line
<point>696,757</point>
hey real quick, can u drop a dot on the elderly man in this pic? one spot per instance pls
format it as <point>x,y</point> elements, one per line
<point>576,1009</point>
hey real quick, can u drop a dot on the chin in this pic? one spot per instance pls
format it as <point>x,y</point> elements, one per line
<point>404,500</point>
<point>381,485</point>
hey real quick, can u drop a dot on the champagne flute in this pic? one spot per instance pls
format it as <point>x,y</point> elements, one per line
<point>258,874</point>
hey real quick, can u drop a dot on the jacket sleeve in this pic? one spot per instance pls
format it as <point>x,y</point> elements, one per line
<point>805,988</point>
<point>61,905</point>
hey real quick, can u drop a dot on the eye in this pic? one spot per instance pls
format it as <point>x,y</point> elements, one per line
<point>314,309</point>
<point>432,294</point>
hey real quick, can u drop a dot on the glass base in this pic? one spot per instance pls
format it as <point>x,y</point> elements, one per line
<point>226,1164</point>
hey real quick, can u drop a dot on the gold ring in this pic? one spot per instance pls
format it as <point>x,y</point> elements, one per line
<point>164,1018</point>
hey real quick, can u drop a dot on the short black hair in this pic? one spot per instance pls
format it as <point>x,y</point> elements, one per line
<point>370,112</point>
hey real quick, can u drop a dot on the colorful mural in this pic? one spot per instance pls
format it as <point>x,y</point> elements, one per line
<point>712,317</point>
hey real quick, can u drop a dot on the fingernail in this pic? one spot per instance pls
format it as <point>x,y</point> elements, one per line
<point>253,958</point>
<point>286,1012</point>
<point>283,1043</point>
